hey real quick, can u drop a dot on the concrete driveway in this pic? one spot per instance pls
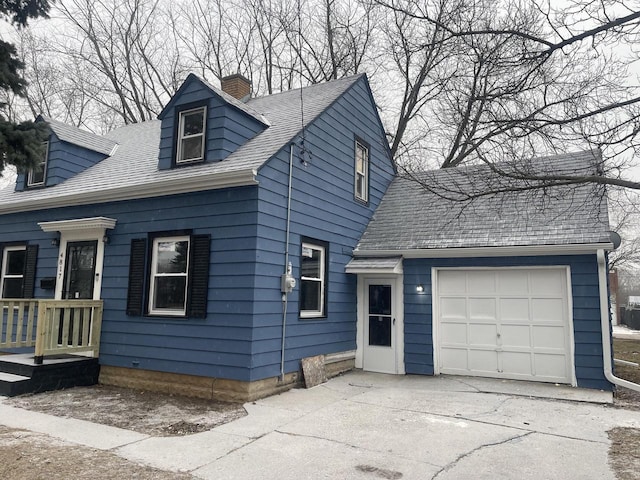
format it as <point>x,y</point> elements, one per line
<point>369,426</point>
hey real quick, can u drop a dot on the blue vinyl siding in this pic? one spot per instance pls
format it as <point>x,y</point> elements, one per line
<point>227,127</point>
<point>218,346</point>
<point>323,208</point>
<point>586,311</point>
<point>63,162</point>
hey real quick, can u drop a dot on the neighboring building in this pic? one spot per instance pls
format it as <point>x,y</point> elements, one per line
<point>506,286</point>
<point>179,226</point>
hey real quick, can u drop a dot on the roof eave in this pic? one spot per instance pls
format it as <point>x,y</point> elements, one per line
<point>173,186</point>
<point>509,251</point>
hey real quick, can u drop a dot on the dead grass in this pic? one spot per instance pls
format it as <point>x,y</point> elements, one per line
<point>32,456</point>
<point>624,453</point>
<point>629,350</point>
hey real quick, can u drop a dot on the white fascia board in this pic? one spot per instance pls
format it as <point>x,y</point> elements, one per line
<point>173,186</point>
<point>511,251</point>
<point>78,224</point>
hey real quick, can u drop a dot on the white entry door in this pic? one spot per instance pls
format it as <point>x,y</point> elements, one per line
<point>505,323</point>
<point>380,333</point>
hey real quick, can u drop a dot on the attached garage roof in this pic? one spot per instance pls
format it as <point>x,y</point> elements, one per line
<point>429,211</point>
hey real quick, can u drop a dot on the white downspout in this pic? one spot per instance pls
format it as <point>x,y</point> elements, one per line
<point>604,320</point>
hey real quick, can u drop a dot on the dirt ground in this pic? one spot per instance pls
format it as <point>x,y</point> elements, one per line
<point>31,456</point>
<point>143,412</point>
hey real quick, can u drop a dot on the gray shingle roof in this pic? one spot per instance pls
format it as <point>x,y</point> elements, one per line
<point>411,217</point>
<point>81,138</point>
<point>135,161</point>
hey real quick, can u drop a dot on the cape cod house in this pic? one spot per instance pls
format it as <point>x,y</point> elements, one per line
<point>209,251</point>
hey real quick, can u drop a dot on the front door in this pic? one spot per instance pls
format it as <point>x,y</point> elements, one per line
<point>80,270</point>
<point>379,353</point>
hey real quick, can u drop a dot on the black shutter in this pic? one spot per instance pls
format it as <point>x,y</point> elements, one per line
<point>135,295</point>
<point>199,275</point>
<point>29,279</point>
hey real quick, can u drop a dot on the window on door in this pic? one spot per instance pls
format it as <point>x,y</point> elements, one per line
<point>80,269</point>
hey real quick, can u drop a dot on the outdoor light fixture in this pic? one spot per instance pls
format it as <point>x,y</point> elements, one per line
<point>105,239</point>
<point>420,288</point>
<point>55,242</point>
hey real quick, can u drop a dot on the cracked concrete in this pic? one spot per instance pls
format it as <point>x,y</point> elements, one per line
<point>368,426</point>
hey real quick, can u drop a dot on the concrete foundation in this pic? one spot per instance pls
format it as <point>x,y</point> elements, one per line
<point>215,388</point>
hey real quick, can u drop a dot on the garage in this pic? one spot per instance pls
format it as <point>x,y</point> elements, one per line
<point>511,323</point>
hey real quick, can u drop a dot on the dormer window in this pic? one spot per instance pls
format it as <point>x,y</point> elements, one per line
<point>191,128</point>
<point>36,176</point>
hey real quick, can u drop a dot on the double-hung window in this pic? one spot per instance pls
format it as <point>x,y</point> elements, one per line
<point>312,280</point>
<point>169,275</point>
<point>361,174</point>
<point>37,175</point>
<point>14,260</point>
<point>191,135</point>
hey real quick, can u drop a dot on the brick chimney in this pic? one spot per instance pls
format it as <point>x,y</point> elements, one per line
<point>237,86</point>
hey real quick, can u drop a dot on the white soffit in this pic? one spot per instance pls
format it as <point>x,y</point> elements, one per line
<point>375,265</point>
<point>78,224</point>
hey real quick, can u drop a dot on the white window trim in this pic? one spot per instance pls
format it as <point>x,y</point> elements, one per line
<point>154,267</point>
<point>44,162</point>
<point>182,137</point>
<point>3,274</point>
<point>364,175</point>
<point>322,280</point>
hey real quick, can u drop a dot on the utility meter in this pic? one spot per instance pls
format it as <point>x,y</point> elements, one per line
<point>288,283</point>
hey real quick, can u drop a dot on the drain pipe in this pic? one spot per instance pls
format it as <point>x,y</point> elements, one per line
<point>287,282</point>
<point>605,327</point>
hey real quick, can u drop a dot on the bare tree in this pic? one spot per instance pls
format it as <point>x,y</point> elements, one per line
<point>519,79</point>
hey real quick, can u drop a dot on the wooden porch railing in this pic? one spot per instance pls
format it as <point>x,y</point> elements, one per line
<point>61,326</point>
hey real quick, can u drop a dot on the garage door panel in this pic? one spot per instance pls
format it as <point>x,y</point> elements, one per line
<point>483,361</point>
<point>549,337</point>
<point>482,309</point>
<point>518,363</point>
<point>455,359</point>
<point>482,335</point>
<point>515,309</point>
<point>547,282</point>
<point>453,307</point>
<point>481,283</point>
<point>505,323</point>
<point>516,336</point>
<point>513,282</point>
<point>453,333</point>
<point>452,281</point>
<point>551,366</point>
<point>547,310</point>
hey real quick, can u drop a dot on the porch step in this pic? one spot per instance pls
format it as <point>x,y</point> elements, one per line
<point>19,374</point>
<point>11,385</point>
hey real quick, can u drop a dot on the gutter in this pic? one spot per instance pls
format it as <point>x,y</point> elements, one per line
<point>153,188</point>
<point>507,251</point>
<point>605,327</point>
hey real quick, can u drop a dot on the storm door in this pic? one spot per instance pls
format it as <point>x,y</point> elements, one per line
<point>379,353</point>
<point>80,270</point>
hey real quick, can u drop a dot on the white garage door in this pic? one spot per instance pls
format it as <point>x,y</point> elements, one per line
<point>504,323</point>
